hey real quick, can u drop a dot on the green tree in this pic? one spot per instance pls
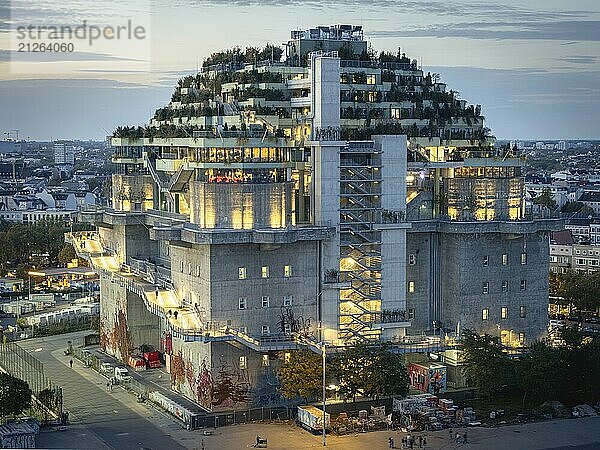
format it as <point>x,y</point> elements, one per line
<point>541,373</point>
<point>546,200</point>
<point>15,395</point>
<point>388,375</point>
<point>577,207</point>
<point>352,368</point>
<point>301,375</point>
<point>578,288</point>
<point>67,254</point>
<point>485,364</point>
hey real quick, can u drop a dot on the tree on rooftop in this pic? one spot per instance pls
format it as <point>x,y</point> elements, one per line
<point>546,200</point>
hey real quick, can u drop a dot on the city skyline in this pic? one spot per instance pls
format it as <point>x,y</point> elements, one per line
<point>533,69</point>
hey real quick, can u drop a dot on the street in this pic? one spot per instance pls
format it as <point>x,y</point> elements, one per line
<point>99,419</point>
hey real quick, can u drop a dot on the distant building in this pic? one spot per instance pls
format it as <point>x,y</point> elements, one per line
<point>64,153</point>
<point>591,199</point>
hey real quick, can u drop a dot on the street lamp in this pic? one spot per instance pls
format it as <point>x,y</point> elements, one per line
<point>324,394</point>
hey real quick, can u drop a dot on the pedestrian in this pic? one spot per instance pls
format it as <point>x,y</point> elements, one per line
<point>457,437</point>
<point>391,442</point>
<point>420,441</point>
<point>424,442</point>
<point>257,441</point>
<point>107,386</point>
<point>403,442</point>
<point>71,363</point>
<point>465,437</point>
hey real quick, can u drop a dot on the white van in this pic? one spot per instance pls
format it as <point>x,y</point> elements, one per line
<point>121,374</point>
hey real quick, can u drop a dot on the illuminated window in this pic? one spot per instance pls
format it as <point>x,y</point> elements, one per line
<point>286,357</point>
<point>288,300</point>
<point>287,271</point>
<point>242,303</point>
<point>523,285</point>
<point>522,338</point>
<point>396,113</point>
<point>265,271</point>
<point>370,79</point>
<point>243,330</point>
<point>266,329</point>
<point>412,259</point>
<point>523,258</point>
<point>504,312</point>
<point>485,313</point>
<point>242,273</point>
<point>411,313</point>
<point>265,301</point>
<point>411,286</point>
<point>505,259</point>
<point>265,360</point>
<point>486,261</point>
<point>243,363</point>
<point>486,288</point>
<point>505,286</point>
<point>522,312</point>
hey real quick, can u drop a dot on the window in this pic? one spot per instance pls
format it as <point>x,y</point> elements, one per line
<point>243,330</point>
<point>265,301</point>
<point>242,303</point>
<point>505,286</point>
<point>286,357</point>
<point>522,312</point>
<point>412,259</point>
<point>486,261</point>
<point>197,271</point>
<point>265,271</point>
<point>287,328</point>
<point>523,285</point>
<point>486,288</point>
<point>411,313</point>
<point>523,258</point>
<point>504,312</point>
<point>485,313</point>
<point>411,286</point>
<point>189,268</point>
<point>505,259</point>
<point>522,338</point>
<point>265,329</point>
<point>243,363</point>
<point>288,300</point>
<point>181,266</point>
<point>580,261</point>
<point>287,271</point>
<point>265,360</point>
<point>242,273</point>
<point>395,113</point>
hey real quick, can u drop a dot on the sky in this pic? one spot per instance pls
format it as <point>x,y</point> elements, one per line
<point>533,65</point>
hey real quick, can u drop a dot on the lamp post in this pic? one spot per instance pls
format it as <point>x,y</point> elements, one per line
<point>324,394</point>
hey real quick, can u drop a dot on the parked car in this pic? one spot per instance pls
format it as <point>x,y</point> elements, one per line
<point>107,368</point>
<point>122,374</point>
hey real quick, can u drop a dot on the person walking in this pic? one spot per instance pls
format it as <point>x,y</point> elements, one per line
<point>465,438</point>
<point>424,441</point>
<point>71,363</point>
<point>420,441</point>
<point>391,442</point>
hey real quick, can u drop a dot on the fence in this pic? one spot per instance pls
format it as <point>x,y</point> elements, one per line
<point>20,364</point>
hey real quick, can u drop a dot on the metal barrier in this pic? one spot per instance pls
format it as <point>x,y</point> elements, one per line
<point>20,364</point>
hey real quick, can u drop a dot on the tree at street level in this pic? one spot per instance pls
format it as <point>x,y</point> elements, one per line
<point>301,375</point>
<point>15,395</point>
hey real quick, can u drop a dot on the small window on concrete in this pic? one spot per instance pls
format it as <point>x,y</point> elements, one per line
<point>505,259</point>
<point>265,360</point>
<point>505,286</point>
<point>265,301</point>
<point>412,259</point>
<point>243,363</point>
<point>411,286</point>
<point>286,357</point>
<point>242,303</point>
<point>243,330</point>
<point>288,300</point>
<point>523,285</point>
<point>265,271</point>
<point>522,312</point>
<point>485,313</point>
<point>504,312</point>
<point>522,338</point>
<point>242,273</point>
<point>411,313</point>
<point>287,271</point>
<point>486,261</point>
<point>523,258</point>
<point>485,288</point>
<point>266,329</point>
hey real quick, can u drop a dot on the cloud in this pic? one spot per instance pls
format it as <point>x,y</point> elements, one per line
<point>571,30</point>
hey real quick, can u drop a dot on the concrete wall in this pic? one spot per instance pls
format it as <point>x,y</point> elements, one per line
<point>227,288</point>
<point>462,275</point>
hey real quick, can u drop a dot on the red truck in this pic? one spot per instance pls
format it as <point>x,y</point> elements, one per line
<point>152,359</point>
